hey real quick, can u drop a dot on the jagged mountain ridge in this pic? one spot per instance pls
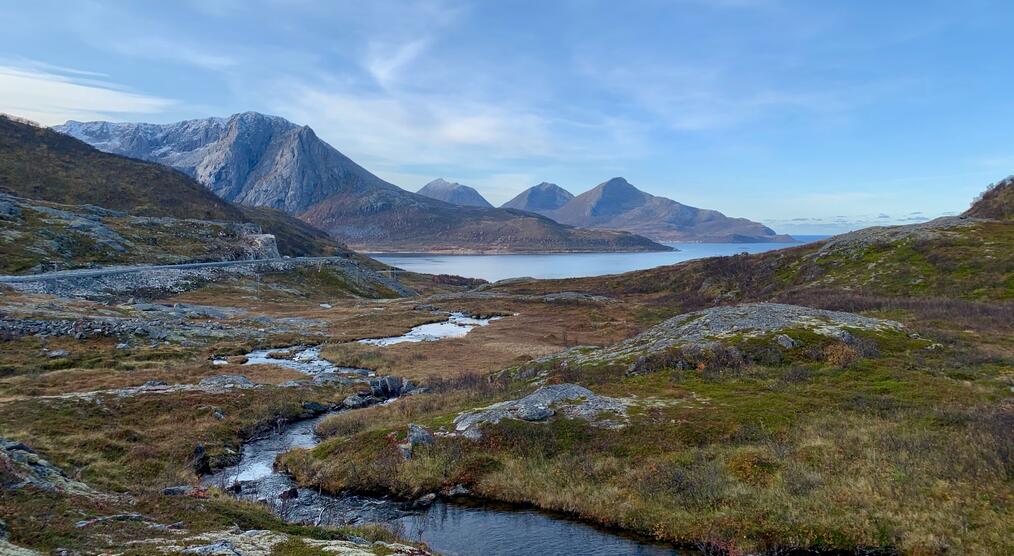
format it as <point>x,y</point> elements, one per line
<point>454,193</point>
<point>250,158</point>
<point>540,198</point>
<point>258,160</point>
<point>41,164</point>
<point>618,205</point>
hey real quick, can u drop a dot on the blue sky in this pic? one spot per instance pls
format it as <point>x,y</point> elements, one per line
<point>810,116</point>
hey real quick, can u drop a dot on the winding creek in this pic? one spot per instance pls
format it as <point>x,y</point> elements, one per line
<point>456,325</point>
<point>451,527</point>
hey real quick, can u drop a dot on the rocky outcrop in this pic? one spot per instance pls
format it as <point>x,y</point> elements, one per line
<point>569,400</point>
<point>854,244</point>
<point>996,203</point>
<point>258,542</point>
<point>706,333</point>
<point>168,280</point>
<point>21,467</point>
<point>37,236</point>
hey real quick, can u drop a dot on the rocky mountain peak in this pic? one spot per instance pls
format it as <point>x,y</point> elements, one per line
<point>454,193</point>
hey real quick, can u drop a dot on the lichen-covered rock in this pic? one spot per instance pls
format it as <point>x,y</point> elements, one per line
<point>226,382</point>
<point>710,328</point>
<point>258,542</point>
<point>22,467</point>
<point>569,400</point>
<point>419,435</point>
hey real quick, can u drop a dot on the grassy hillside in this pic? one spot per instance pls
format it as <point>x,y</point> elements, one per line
<point>865,439</point>
<point>38,163</point>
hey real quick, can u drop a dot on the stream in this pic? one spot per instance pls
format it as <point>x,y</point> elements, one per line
<point>447,527</point>
<point>457,325</point>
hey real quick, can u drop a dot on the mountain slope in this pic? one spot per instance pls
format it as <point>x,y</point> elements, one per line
<point>541,199</point>
<point>618,205</point>
<point>39,163</point>
<point>453,193</point>
<point>259,160</point>
<point>996,203</point>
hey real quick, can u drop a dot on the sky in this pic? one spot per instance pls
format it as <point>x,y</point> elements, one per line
<point>812,117</point>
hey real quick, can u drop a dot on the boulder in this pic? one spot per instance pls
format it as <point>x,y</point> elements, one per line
<point>357,401</point>
<point>786,341</point>
<point>572,401</point>
<point>419,435</point>
<point>200,462</point>
<point>314,408</point>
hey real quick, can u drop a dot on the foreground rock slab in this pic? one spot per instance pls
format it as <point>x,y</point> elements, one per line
<point>570,400</point>
<point>257,542</point>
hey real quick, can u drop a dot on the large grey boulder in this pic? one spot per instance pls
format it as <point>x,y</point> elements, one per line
<point>570,400</point>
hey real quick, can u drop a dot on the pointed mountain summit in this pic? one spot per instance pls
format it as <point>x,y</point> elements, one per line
<point>454,193</point>
<point>618,205</point>
<point>541,199</point>
<point>257,160</point>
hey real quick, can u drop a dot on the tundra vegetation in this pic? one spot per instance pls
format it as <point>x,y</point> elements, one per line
<point>852,395</point>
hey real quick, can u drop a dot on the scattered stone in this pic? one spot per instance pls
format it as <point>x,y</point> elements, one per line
<point>226,382</point>
<point>218,415</point>
<point>457,490</point>
<point>220,548</point>
<point>110,518</point>
<point>57,354</point>
<point>325,305</point>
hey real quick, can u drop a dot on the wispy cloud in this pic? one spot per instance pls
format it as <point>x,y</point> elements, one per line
<point>50,98</point>
<point>385,61</point>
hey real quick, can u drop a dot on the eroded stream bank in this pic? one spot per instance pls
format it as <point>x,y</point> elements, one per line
<point>452,527</point>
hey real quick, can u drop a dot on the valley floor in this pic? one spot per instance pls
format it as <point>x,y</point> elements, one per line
<point>852,435</point>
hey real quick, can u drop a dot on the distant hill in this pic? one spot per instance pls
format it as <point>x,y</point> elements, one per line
<point>618,205</point>
<point>542,198</point>
<point>258,160</point>
<point>454,193</point>
<point>39,163</point>
<point>996,203</point>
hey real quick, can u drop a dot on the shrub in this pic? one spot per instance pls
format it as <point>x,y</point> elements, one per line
<point>699,357</point>
<point>840,355</point>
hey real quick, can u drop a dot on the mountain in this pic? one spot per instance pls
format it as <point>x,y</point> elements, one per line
<point>258,160</point>
<point>618,205</point>
<point>249,159</point>
<point>453,193</point>
<point>542,198</point>
<point>39,163</point>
